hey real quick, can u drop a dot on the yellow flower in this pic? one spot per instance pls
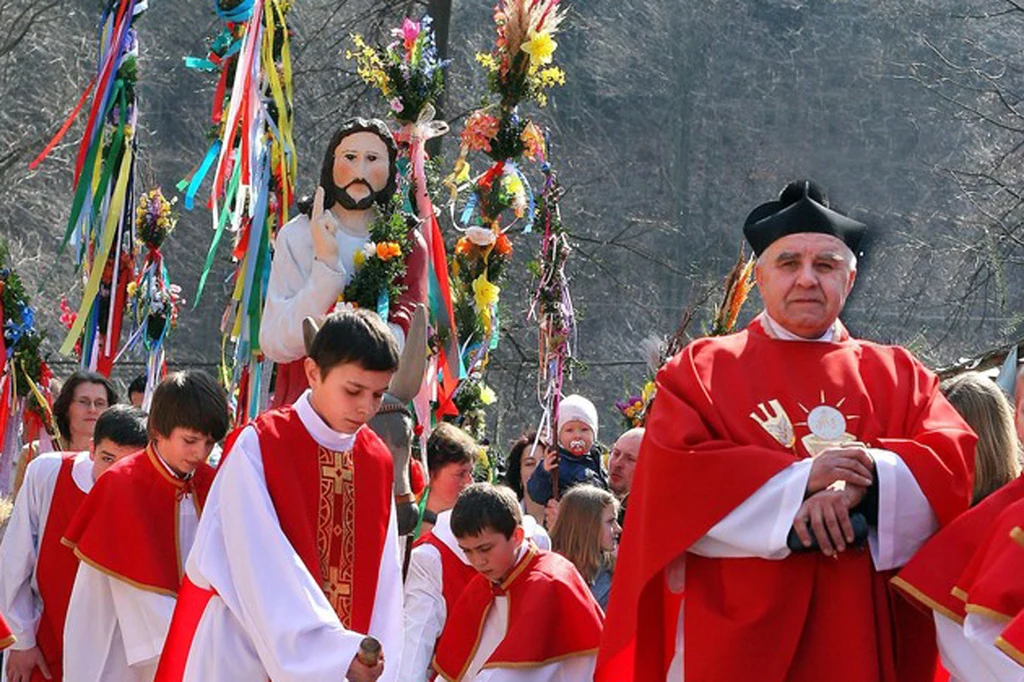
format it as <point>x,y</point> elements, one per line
<point>358,258</point>
<point>485,295</point>
<point>132,288</point>
<point>551,76</point>
<point>541,46</point>
<point>487,61</point>
<point>487,395</point>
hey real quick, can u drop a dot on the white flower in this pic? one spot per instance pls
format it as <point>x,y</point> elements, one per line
<point>369,249</point>
<point>481,236</point>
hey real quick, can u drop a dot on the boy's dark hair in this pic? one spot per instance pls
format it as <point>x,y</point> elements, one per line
<point>190,399</point>
<point>358,336</point>
<point>138,385</point>
<point>62,405</point>
<point>448,444</point>
<point>482,507</point>
<point>122,425</point>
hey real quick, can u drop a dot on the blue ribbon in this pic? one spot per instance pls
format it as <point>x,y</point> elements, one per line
<point>197,178</point>
<point>238,14</point>
<point>199,64</point>
<point>383,304</point>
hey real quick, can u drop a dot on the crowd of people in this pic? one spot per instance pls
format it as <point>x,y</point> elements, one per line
<point>802,505</point>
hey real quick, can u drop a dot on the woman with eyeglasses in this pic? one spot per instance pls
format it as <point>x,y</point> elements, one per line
<point>79,404</point>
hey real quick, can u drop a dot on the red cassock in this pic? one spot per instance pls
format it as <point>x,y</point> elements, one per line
<point>333,507</point>
<point>56,568</point>
<point>127,527</point>
<point>717,433</point>
<point>290,381</point>
<point>552,616</point>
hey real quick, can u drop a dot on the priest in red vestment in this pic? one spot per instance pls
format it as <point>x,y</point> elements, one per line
<point>36,570</point>
<point>133,532</point>
<point>296,559</point>
<point>528,615</point>
<point>789,435</point>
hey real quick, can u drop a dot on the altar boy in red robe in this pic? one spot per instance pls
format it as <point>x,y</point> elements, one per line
<point>528,615</point>
<point>133,532</point>
<point>789,426</point>
<point>297,558</point>
<point>36,570</point>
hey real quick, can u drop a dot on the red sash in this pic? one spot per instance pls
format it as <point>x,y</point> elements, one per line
<point>333,508</point>
<point>552,616</point>
<point>6,638</point>
<point>455,573</point>
<point>56,567</point>
<point>128,525</point>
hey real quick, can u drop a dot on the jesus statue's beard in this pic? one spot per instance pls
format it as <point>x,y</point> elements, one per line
<point>349,203</point>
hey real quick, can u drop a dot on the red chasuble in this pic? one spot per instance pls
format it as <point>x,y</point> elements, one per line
<point>6,638</point>
<point>551,616</point>
<point>128,525</point>
<point>455,573</point>
<point>56,567</point>
<point>333,508</point>
<point>730,413</point>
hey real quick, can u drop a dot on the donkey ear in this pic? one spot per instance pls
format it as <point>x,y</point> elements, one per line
<point>405,384</point>
<point>310,327</point>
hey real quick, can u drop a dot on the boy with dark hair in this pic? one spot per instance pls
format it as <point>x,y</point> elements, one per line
<point>297,558</point>
<point>137,390</point>
<point>451,453</point>
<point>527,615</point>
<point>134,530</point>
<point>36,570</point>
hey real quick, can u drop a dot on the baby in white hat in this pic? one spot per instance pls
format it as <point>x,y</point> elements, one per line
<point>578,460</point>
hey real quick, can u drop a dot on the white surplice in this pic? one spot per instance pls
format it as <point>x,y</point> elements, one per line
<point>969,651</point>
<point>301,286</point>
<point>759,526</point>
<point>20,602</point>
<point>269,617</point>
<point>425,608</point>
<point>115,631</point>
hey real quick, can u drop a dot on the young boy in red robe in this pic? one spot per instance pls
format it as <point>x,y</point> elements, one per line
<point>528,615</point>
<point>36,570</point>
<point>135,529</point>
<point>296,559</point>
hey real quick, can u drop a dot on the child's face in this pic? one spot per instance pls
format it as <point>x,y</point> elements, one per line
<point>491,553</point>
<point>184,450</point>
<point>576,437</point>
<point>348,396</point>
<point>106,453</point>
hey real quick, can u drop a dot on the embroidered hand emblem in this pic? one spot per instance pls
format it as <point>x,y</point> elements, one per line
<point>775,421</point>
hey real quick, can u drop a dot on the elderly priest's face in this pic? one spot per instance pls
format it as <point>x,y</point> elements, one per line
<point>804,280</point>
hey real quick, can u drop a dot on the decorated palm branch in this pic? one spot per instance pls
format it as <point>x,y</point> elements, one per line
<point>736,288</point>
<point>490,206</point>
<point>99,228</point>
<point>25,400</point>
<point>409,75</point>
<point>252,164</point>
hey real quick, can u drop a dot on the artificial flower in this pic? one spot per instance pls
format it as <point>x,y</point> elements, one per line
<point>369,250</point>
<point>480,129</point>
<point>481,236</point>
<point>533,141</point>
<point>358,258</point>
<point>487,395</point>
<point>540,46</point>
<point>388,250</point>
<point>463,247</point>
<point>503,245</point>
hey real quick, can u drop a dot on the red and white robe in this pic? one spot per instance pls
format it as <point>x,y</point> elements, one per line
<point>540,624</point>
<point>131,533</point>
<point>296,558</point>
<point>37,572</point>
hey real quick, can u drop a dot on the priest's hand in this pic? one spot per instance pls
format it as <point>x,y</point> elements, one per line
<point>20,664</point>
<point>359,672</point>
<point>322,228</point>
<point>827,514</point>
<point>850,463</point>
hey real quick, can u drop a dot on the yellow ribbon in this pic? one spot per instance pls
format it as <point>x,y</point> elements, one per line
<point>39,397</point>
<point>92,287</point>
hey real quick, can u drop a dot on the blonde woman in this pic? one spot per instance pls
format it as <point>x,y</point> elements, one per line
<point>984,407</point>
<point>587,534</point>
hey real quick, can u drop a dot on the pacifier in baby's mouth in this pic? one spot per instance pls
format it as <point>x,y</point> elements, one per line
<point>578,447</point>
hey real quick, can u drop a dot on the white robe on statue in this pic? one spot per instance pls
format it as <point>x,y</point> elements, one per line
<point>301,286</point>
<point>425,608</point>
<point>114,631</point>
<point>269,617</point>
<point>759,527</point>
<point>20,602</point>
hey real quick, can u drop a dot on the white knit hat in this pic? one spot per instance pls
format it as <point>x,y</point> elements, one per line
<point>577,408</point>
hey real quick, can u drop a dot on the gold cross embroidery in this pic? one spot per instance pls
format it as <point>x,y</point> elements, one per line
<point>336,471</point>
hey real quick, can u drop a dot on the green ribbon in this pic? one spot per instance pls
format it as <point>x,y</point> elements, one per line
<point>229,196</point>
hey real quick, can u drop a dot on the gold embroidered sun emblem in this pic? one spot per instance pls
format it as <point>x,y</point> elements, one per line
<point>827,426</point>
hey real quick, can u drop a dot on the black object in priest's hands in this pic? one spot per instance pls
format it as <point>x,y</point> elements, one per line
<point>860,535</point>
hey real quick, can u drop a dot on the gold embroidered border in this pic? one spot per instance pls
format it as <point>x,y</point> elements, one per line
<point>336,529</point>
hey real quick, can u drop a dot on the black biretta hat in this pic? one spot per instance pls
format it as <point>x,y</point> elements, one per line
<point>801,207</point>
